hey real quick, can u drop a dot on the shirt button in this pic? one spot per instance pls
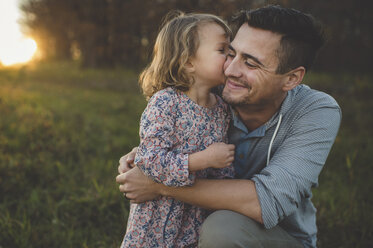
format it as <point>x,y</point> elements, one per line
<point>241,156</point>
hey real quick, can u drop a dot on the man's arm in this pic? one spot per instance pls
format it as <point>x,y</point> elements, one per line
<point>232,194</point>
<point>238,195</point>
<point>285,184</point>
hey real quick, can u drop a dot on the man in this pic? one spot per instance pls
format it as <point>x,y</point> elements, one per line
<point>282,130</point>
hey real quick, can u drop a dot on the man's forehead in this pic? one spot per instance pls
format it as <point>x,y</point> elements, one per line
<point>254,35</point>
<point>255,41</point>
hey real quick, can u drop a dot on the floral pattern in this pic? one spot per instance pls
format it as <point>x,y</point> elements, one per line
<point>172,127</point>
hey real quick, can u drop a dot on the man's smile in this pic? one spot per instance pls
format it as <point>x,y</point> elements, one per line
<point>234,85</point>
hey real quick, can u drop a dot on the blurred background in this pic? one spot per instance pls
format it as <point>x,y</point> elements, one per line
<point>70,108</point>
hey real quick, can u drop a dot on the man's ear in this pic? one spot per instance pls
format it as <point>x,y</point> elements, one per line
<point>294,78</point>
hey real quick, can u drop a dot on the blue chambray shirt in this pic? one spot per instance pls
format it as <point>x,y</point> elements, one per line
<point>310,122</point>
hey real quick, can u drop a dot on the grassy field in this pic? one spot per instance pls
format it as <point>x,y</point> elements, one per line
<point>62,131</point>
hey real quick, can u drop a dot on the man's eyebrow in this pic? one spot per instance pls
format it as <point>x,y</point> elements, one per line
<point>248,56</point>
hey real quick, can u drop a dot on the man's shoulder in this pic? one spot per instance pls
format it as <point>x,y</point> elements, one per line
<point>303,96</point>
<point>305,104</point>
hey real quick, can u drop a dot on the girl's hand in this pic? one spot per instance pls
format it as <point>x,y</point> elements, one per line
<point>219,155</point>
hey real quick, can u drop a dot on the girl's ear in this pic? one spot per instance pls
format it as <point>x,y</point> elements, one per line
<point>189,66</point>
<point>294,78</point>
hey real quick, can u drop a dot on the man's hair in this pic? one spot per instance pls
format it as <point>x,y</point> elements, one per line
<point>302,35</point>
<point>176,43</point>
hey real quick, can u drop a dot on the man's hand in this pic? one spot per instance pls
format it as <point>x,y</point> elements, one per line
<point>137,187</point>
<point>126,162</point>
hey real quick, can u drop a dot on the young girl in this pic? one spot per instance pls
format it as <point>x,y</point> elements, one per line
<point>183,128</point>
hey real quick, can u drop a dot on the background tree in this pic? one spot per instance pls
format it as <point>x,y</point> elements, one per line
<point>122,32</point>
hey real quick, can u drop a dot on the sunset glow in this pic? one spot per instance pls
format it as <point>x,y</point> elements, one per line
<point>15,48</point>
<point>21,51</point>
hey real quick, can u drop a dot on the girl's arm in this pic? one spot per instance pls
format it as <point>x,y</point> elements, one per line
<point>156,155</point>
<point>217,155</point>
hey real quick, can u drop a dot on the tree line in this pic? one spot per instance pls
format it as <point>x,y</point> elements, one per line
<point>106,33</point>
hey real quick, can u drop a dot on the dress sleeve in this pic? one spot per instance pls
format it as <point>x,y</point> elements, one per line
<point>155,155</point>
<point>296,165</point>
<point>221,173</point>
<point>227,172</point>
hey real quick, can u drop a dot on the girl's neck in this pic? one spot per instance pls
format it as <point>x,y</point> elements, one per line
<point>201,95</point>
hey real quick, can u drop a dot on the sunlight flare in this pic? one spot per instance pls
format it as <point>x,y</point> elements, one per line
<point>19,51</point>
<point>15,48</point>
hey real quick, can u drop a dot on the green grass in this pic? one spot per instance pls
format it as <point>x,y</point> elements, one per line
<point>61,136</point>
<point>62,131</point>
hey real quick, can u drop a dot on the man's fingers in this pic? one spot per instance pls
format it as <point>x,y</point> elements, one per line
<point>130,158</point>
<point>122,159</point>
<point>125,163</point>
<point>124,188</point>
<point>121,178</point>
<point>122,164</point>
<point>132,155</point>
<point>120,168</point>
<point>130,196</point>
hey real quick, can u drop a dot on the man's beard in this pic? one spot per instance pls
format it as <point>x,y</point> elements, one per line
<point>235,102</point>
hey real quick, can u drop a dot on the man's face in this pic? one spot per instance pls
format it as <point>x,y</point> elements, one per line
<point>250,68</point>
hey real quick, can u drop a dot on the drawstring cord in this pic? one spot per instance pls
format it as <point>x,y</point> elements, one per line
<point>273,138</point>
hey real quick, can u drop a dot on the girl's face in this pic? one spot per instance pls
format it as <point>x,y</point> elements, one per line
<point>210,57</point>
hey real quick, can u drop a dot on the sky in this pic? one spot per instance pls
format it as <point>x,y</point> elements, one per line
<point>14,47</point>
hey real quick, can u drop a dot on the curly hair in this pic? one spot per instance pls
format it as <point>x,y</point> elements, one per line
<point>176,42</point>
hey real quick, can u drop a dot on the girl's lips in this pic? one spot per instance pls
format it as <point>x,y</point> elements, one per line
<point>233,85</point>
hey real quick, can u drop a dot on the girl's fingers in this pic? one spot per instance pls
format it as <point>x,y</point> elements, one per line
<point>231,147</point>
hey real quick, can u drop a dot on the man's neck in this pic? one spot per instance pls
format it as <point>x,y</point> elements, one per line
<point>255,116</point>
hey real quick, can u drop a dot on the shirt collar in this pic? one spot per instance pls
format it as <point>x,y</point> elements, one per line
<point>237,123</point>
<point>260,131</point>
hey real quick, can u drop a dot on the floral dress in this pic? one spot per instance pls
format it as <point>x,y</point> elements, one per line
<point>172,127</point>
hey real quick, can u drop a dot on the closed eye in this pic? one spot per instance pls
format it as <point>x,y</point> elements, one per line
<point>251,65</point>
<point>231,52</point>
<point>231,55</point>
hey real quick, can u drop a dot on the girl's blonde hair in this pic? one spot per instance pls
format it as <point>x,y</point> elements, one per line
<point>176,42</point>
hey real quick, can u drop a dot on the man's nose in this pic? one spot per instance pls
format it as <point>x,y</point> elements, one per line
<point>232,67</point>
